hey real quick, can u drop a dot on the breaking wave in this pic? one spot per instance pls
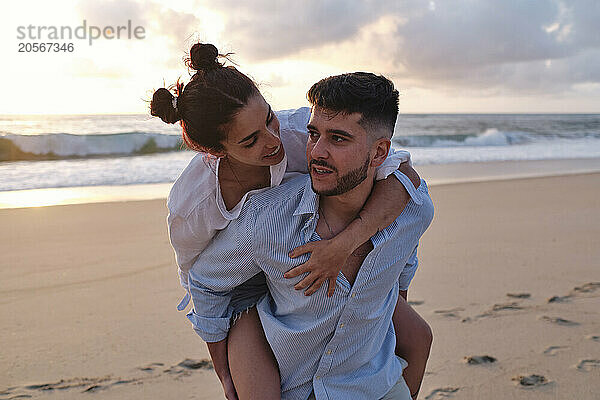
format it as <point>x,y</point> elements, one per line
<point>58,146</point>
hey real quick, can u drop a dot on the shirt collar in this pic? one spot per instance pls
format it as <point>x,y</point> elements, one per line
<point>308,206</point>
<point>309,203</point>
<point>277,172</point>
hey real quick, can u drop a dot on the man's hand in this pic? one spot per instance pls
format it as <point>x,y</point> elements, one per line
<point>325,262</point>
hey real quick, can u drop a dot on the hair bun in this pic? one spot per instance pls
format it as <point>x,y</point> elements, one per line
<point>162,106</point>
<point>203,56</point>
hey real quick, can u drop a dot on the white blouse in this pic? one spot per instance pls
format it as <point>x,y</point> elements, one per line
<point>197,210</point>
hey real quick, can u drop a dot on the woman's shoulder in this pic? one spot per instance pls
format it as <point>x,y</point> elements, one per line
<point>294,136</point>
<point>195,186</point>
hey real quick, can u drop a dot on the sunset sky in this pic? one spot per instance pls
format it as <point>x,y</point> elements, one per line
<point>444,56</point>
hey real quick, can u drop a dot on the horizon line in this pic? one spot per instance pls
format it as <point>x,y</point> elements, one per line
<point>399,114</point>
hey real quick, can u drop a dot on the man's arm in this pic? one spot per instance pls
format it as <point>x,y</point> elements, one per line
<point>225,264</point>
<point>386,202</point>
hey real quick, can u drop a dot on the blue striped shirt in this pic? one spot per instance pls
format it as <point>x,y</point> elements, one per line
<point>342,347</point>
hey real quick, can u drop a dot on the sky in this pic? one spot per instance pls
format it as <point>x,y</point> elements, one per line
<point>523,56</point>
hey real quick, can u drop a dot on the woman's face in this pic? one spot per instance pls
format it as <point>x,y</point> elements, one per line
<point>253,135</point>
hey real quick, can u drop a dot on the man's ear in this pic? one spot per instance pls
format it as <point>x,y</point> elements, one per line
<point>380,150</point>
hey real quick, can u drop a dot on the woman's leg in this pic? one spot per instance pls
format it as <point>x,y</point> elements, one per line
<point>251,362</point>
<point>413,342</point>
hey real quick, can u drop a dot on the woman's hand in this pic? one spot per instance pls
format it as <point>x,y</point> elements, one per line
<point>325,262</point>
<point>228,387</point>
<point>218,355</point>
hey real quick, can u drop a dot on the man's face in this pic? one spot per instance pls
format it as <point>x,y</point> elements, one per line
<point>338,152</point>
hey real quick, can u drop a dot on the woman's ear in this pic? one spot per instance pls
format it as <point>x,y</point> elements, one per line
<point>214,153</point>
<point>380,148</point>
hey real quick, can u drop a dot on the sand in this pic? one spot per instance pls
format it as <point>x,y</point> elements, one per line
<point>88,295</point>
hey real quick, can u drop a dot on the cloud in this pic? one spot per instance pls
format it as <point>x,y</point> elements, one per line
<point>274,80</point>
<point>509,45</point>
<point>450,39</point>
<point>265,29</point>
<point>111,12</point>
<point>519,45</point>
<point>86,68</point>
<point>159,21</point>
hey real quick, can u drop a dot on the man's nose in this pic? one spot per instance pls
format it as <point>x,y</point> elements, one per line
<point>319,149</point>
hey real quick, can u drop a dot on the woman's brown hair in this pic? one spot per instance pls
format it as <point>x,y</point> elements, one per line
<point>209,101</point>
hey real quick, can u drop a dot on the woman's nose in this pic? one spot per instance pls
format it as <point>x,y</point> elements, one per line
<point>273,139</point>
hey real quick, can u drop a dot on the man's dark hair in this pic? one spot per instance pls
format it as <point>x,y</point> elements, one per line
<point>359,92</point>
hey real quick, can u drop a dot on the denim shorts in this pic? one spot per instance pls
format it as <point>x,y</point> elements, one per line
<point>247,295</point>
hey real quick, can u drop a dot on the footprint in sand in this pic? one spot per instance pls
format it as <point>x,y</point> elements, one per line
<point>94,388</point>
<point>151,367</point>
<point>415,302</point>
<point>558,321</point>
<point>559,299</point>
<point>587,288</point>
<point>90,385</point>
<point>478,360</point>
<point>196,364</point>
<point>595,338</point>
<point>9,391</point>
<point>588,365</point>
<point>69,384</point>
<point>553,350</point>
<point>187,365</point>
<point>519,295</point>
<point>495,310</point>
<point>506,306</point>
<point>530,380</point>
<point>452,313</point>
<point>441,393</point>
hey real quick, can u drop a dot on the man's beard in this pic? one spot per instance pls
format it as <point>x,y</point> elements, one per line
<point>344,183</point>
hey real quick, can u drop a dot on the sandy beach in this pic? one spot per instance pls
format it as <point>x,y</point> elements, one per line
<point>88,295</point>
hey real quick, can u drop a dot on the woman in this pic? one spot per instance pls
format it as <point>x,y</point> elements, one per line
<point>223,115</point>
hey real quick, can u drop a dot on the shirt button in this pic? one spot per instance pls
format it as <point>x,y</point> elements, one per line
<point>317,377</point>
<point>341,325</point>
<point>329,351</point>
<point>353,295</point>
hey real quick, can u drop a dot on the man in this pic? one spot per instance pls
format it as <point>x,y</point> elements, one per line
<point>339,347</point>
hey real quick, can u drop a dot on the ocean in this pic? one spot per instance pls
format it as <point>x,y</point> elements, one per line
<point>98,150</point>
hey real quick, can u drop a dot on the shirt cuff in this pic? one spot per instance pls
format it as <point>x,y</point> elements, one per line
<point>392,163</point>
<point>209,329</point>
<point>406,277</point>
<point>410,188</point>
